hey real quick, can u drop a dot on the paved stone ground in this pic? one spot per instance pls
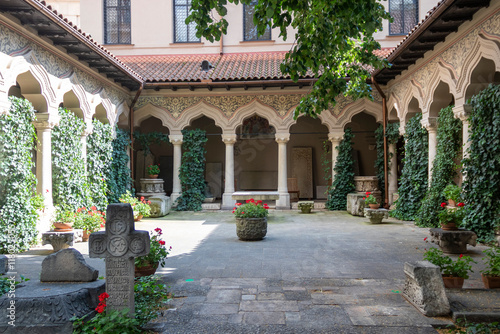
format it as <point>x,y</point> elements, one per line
<point>326,272</point>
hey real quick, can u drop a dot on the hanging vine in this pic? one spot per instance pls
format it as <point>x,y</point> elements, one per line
<point>99,157</point>
<point>119,181</point>
<point>18,215</point>
<point>146,139</point>
<point>482,167</point>
<point>392,134</point>
<point>444,169</point>
<point>414,177</point>
<point>192,171</point>
<point>69,182</point>
<point>343,182</point>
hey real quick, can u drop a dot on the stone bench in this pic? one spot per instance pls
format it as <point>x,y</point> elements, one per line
<point>61,240</point>
<point>453,242</point>
<point>376,215</point>
<point>256,195</point>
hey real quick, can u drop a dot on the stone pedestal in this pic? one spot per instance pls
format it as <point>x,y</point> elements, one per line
<point>376,215</point>
<point>453,242</point>
<point>61,240</point>
<point>151,187</point>
<point>356,204</point>
<point>160,206</point>
<point>424,288</point>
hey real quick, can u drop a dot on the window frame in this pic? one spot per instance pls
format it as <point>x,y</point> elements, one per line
<point>188,5</point>
<point>403,33</point>
<point>259,38</point>
<point>119,7</point>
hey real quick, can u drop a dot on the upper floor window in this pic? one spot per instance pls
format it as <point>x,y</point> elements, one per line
<point>249,28</point>
<point>405,15</point>
<point>117,28</point>
<point>183,33</point>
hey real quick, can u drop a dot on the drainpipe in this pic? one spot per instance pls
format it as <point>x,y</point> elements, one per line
<point>131,124</point>
<point>384,124</point>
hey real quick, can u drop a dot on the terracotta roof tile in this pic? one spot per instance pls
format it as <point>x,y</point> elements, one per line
<point>383,52</point>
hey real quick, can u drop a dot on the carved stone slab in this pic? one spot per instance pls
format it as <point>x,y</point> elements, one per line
<point>424,288</point>
<point>356,204</point>
<point>453,242</point>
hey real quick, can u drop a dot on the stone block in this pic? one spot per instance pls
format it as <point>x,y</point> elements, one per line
<point>160,206</point>
<point>424,288</point>
<point>453,242</point>
<point>356,204</point>
<point>67,265</point>
<point>376,215</point>
<point>4,264</point>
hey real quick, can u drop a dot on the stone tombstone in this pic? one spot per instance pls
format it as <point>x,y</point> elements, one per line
<point>119,245</point>
<point>424,288</point>
<point>67,265</point>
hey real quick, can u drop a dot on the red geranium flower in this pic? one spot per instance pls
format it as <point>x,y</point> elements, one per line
<point>461,256</point>
<point>425,238</point>
<point>460,205</point>
<point>368,193</point>
<point>93,208</point>
<point>103,296</point>
<point>161,242</point>
<point>100,308</point>
<point>238,204</point>
<point>259,201</point>
<point>443,204</point>
<point>158,230</point>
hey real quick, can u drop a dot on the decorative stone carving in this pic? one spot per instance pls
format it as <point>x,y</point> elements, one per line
<point>151,187</point>
<point>119,244</point>
<point>249,229</point>
<point>282,138</point>
<point>67,265</point>
<point>356,204</point>
<point>453,242</point>
<point>424,288</point>
<point>61,240</point>
<point>366,183</point>
<point>160,206</point>
<point>376,215</point>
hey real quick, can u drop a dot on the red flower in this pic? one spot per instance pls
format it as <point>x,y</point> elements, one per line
<point>142,198</point>
<point>238,204</point>
<point>368,193</point>
<point>100,308</point>
<point>461,256</point>
<point>443,204</point>
<point>79,210</point>
<point>243,213</point>
<point>93,208</point>
<point>266,206</point>
<point>259,202</point>
<point>46,190</point>
<point>102,225</point>
<point>364,197</point>
<point>161,242</point>
<point>149,202</point>
<point>252,200</point>
<point>233,211</point>
<point>103,296</point>
<point>425,238</point>
<point>460,205</point>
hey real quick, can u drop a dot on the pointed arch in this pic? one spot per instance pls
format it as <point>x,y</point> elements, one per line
<point>362,105</point>
<point>439,75</point>
<point>256,108</point>
<point>150,110</point>
<point>201,109</point>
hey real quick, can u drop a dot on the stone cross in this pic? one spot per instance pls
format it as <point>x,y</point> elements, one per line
<point>119,244</point>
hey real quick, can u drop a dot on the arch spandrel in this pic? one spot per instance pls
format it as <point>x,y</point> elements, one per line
<point>256,108</point>
<point>361,105</point>
<point>150,110</point>
<point>201,109</point>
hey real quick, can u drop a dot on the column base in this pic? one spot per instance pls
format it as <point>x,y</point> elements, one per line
<point>227,201</point>
<point>174,198</point>
<point>283,203</point>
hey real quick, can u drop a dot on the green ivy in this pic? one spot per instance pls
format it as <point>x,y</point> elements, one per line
<point>146,139</point>
<point>343,183</point>
<point>99,157</point>
<point>444,169</point>
<point>119,181</point>
<point>414,177</point>
<point>192,170</point>
<point>482,167</point>
<point>17,182</point>
<point>392,134</point>
<point>69,182</point>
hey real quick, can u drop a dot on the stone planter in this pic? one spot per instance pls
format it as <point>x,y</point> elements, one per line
<point>376,215</point>
<point>248,229</point>
<point>453,282</point>
<point>491,282</point>
<point>305,207</point>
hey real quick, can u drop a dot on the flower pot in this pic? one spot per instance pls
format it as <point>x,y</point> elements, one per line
<point>146,270</point>
<point>453,282</point>
<point>86,235</point>
<point>491,282</point>
<point>63,227</point>
<point>449,227</point>
<point>374,206</point>
<point>248,229</point>
<point>138,218</point>
<point>452,203</point>
<point>153,176</point>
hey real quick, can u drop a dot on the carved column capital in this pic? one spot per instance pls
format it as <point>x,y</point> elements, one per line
<point>89,128</point>
<point>46,121</point>
<point>175,139</point>
<point>282,138</point>
<point>335,137</point>
<point>430,123</point>
<point>229,139</point>
<point>462,112</point>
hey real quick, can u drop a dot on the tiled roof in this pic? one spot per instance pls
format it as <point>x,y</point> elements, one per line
<point>226,67</point>
<point>383,52</point>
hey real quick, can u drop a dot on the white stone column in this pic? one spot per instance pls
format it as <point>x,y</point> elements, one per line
<point>283,202</point>
<point>227,201</point>
<point>393,176</point>
<point>4,103</point>
<point>335,138</point>
<point>462,112</point>
<point>176,140</point>
<point>430,123</point>
<point>44,124</point>
<point>86,132</point>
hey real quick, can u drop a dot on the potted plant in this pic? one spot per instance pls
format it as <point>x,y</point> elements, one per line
<point>452,194</point>
<point>153,171</point>
<point>451,218</point>
<point>64,220</point>
<point>146,265</point>
<point>141,207</point>
<point>371,201</point>
<point>491,275</point>
<point>454,272</point>
<point>89,221</point>
<point>251,220</point>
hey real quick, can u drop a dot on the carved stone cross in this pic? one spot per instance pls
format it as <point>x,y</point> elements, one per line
<point>119,244</point>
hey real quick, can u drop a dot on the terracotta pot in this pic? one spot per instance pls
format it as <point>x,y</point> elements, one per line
<point>146,270</point>
<point>491,282</point>
<point>453,282</point>
<point>249,229</point>
<point>452,203</point>
<point>374,206</point>
<point>86,235</point>
<point>449,227</point>
<point>153,176</point>
<point>139,217</point>
<point>63,227</point>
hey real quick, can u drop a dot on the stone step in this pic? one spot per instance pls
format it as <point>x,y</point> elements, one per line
<point>474,305</point>
<point>210,206</point>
